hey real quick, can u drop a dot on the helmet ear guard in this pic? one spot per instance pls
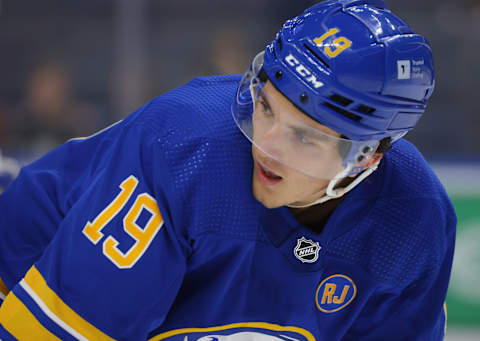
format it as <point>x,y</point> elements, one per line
<point>409,67</point>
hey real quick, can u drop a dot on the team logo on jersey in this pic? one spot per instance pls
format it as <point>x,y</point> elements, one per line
<point>334,293</point>
<point>243,331</point>
<point>307,250</point>
<point>243,336</point>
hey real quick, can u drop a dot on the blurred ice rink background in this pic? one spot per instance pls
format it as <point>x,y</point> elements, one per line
<point>71,68</point>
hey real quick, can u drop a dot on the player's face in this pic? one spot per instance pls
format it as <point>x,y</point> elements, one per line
<point>275,184</point>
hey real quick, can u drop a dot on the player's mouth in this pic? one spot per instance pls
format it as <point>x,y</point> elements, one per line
<point>266,176</point>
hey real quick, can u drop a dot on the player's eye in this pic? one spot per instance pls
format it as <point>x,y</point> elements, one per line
<point>301,136</point>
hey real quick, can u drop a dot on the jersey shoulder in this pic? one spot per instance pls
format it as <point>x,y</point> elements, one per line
<point>207,158</point>
<point>409,175</point>
<point>199,109</point>
<point>408,221</point>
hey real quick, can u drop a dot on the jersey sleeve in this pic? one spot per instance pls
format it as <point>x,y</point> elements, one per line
<point>110,260</point>
<point>417,310</point>
<point>32,207</point>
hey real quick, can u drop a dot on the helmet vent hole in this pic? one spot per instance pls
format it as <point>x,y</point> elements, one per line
<point>343,101</point>
<point>280,43</point>
<point>343,112</point>
<point>365,110</point>
<point>316,55</point>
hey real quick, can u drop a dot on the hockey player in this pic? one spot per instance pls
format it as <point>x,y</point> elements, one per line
<point>152,229</point>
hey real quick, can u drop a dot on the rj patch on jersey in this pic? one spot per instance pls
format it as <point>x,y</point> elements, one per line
<point>334,293</point>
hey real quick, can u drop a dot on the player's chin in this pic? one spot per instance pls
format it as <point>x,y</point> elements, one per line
<point>265,196</point>
<point>270,204</point>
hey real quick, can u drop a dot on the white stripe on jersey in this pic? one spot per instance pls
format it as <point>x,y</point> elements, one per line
<point>49,313</point>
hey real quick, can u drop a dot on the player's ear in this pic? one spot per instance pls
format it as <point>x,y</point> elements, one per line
<point>375,158</point>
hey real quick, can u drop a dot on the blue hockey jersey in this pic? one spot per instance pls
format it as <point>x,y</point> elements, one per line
<point>149,230</point>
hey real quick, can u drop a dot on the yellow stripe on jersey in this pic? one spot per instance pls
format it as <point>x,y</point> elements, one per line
<point>446,317</point>
<point>21,323</point>
<point>61,310</point>
<point>3,288</point>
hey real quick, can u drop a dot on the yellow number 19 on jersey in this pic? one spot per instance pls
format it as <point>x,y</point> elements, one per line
<point>142,236</point>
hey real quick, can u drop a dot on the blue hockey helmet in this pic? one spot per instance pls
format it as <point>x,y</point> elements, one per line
<point>352,66</point>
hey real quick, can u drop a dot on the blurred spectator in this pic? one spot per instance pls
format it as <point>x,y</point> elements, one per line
<point>118,63</point>
<point>230,52</point>
<point>6,115</point>
<point>49,114</point>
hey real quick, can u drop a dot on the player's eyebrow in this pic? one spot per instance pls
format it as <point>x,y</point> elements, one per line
<point>317,136</point>
<point>307,132</point>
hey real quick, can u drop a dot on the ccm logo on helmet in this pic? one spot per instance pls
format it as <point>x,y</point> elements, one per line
<point>303,71</point>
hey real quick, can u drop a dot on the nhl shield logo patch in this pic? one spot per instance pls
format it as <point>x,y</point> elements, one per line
<point>307,250</point>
